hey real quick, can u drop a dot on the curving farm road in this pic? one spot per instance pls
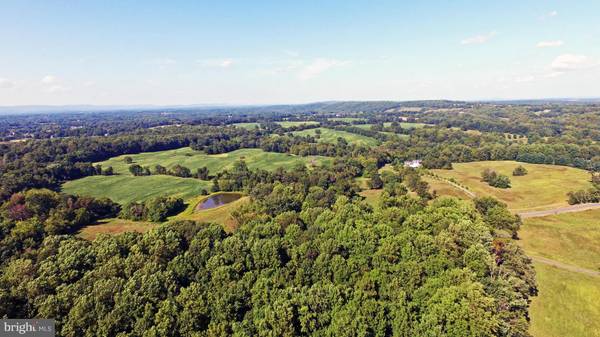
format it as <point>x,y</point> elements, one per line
<point>565,266</point>
<point>559,210</point>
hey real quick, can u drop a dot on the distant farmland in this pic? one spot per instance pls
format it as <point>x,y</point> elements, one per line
<point>403,125</point>
<point>331,136</point>
<point>124,187</point>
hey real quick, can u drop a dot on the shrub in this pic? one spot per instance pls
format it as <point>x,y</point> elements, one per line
<point>583,196</point>
<point>137,170</point>
<point>180,171</point>
<point>494,179</point>
<point>519,171</point>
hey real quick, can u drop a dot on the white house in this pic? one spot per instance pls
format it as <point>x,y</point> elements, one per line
<point>413,163</point>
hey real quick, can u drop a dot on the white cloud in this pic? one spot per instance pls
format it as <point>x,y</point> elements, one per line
<point>549,44</point>
<point>561,65</point>
<point>549,15</point>
<point>52,84</point>
<point>48,79</point>
<point>478,39</point>
<point>89,84</point>
<point>318,66</point>
<point>570,62</point>
<point>5,84</point>
<point>217,63</point>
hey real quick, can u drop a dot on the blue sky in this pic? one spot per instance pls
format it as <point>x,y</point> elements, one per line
<point>247,52</point>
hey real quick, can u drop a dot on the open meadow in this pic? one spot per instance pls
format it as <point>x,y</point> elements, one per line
<point>567,301</point>
<point>331,136</point>
<point>572,238</point>
<point>192,159</point>
<point>346,119</point>
<point>444,188</point>
<point>113,227</point>
<point>249,125</point>
<point>566,305</point>
<point>544,187</point>
<point>124,187</point>
<point>287,124</point>
<point>404,125</point>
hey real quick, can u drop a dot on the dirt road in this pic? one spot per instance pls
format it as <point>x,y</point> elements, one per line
<point>560,210</point>
<point>455,185</point>
<point>565,266</point>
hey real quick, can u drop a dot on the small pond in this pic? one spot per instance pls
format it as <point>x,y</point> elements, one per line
<point>218,200</point>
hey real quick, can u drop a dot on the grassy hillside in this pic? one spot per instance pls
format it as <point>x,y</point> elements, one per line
<point>255,158</point>
<point>124,187</point>
<point>544,187</point>
<point>284,124</point>
<point>296,123</point>
<point>250,126</point>
<point>572,238</point>
<point>346,119</point>
<point>331,136</point>
<point>404,125</point>
<point>567,304</point>
<point>567,301</point>
<point>443,188</point>
<point>114,226</point>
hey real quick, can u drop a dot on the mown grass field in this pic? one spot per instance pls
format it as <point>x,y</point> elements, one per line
<point>124,187</point>
<point>287,124</point>
<point>331,136</point>
<point>403,125</point>
<point>544,187</point>
<point>114,226</point>
<point>254,158</point>
<point>249,126</point>
<point>444,189</point>
<point>346,119</point>
<point>572,238</point>
<point>566,305</point>
<point>220,215</point>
